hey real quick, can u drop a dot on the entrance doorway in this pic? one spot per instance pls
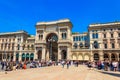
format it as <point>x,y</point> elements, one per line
<point>113,57</point>
<point>96,56</point>
<point>52,46</point>
<point>40,55</point>
<point>64,55</point>
<point>106,57</point>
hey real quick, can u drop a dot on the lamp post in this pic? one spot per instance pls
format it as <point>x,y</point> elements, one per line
<point>50,41</point>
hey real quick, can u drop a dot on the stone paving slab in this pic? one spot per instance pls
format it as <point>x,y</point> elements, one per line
<point>59,73</point>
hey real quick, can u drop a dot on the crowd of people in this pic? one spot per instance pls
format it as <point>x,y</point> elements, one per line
<point>105,65</point>
<point>15,65</point>
<point>101,65</point>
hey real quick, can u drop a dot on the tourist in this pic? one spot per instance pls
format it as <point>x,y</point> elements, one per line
<point>39,64</point>
<point>89,65</point>
<point>119,65</point>
<point>68,63</point>
<point>102,65</point>
<point>93,65</point>
<point>115,65</point>
<point>24,66</point>
<point>77,63</point>
<point>63,63</point>
<point>99,65</point>
<point>106,64</point>
<point>111,66</point>
<point>2,64</point>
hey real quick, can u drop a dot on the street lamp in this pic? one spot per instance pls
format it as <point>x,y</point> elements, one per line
<point>50,41</point>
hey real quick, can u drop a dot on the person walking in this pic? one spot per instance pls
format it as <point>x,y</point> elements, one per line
<point>68,63</point>
<point>106,64</point>
<point>3,64</point>
<point>115,65</point>
<point>63,63</point>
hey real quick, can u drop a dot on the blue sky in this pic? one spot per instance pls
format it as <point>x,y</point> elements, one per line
<point>23,14</point>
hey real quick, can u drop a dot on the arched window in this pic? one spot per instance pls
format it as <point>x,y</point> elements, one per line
<point>96,44</point>
<point>18,46</point>
<point>28,47</point>
<point>31,56</point>
<point>9,46</point>
<point>17,56</point>
<point>81,45</point>
<point>75,45</point>
<point>27,57</point>
<point>2,46</point>
<point>113,57</point>
<point>93,35</point>
<point>12,46</point>
<point>40,36</point>
<point>23,57</point>
<point>23,47</point>
<point>86,44</point>
<point>96,35</point>
<point>64,35</point>
<point>112,44</point>
<point>32,47</point>
<point>106,56</point>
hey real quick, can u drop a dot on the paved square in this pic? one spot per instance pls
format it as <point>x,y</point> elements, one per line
<point>59,73</point>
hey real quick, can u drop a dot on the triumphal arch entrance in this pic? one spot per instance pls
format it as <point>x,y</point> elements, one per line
<point>53,40</point>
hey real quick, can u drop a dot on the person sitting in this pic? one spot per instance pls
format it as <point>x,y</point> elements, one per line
<point>24,66</point>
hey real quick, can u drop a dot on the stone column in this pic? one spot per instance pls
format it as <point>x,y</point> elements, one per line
<point>20,57</point>
<point>36,55</point>
<point>43,53</point>
<point>10,56</point>
<point>59,53</point>
<point>68,53</point>
<point>117,56</point>
<point>91,46</point>
<point>110,56</point>
<point>14,56</point>
<point>101,55</point>
<point>68,33</point>
<point>91,56</point>
<point>47,55</point>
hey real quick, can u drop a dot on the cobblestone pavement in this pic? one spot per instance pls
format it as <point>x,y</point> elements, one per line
<point>59,73</point>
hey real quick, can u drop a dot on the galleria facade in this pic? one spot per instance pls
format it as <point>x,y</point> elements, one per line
<point>55,41</point>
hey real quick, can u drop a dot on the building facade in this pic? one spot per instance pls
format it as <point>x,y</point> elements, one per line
<point>55,41</point>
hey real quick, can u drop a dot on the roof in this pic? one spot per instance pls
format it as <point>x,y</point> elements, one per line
<point>53,22</point>
<point>10,33</point>
<point>77,33</point>
<point>104,24</point>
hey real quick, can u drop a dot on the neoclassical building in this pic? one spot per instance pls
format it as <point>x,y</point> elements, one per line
<point>55,41</point>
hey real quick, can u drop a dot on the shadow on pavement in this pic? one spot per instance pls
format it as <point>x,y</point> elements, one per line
<point>112,74</point>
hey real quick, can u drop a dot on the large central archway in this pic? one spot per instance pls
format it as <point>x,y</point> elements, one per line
<point>52,46</point>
